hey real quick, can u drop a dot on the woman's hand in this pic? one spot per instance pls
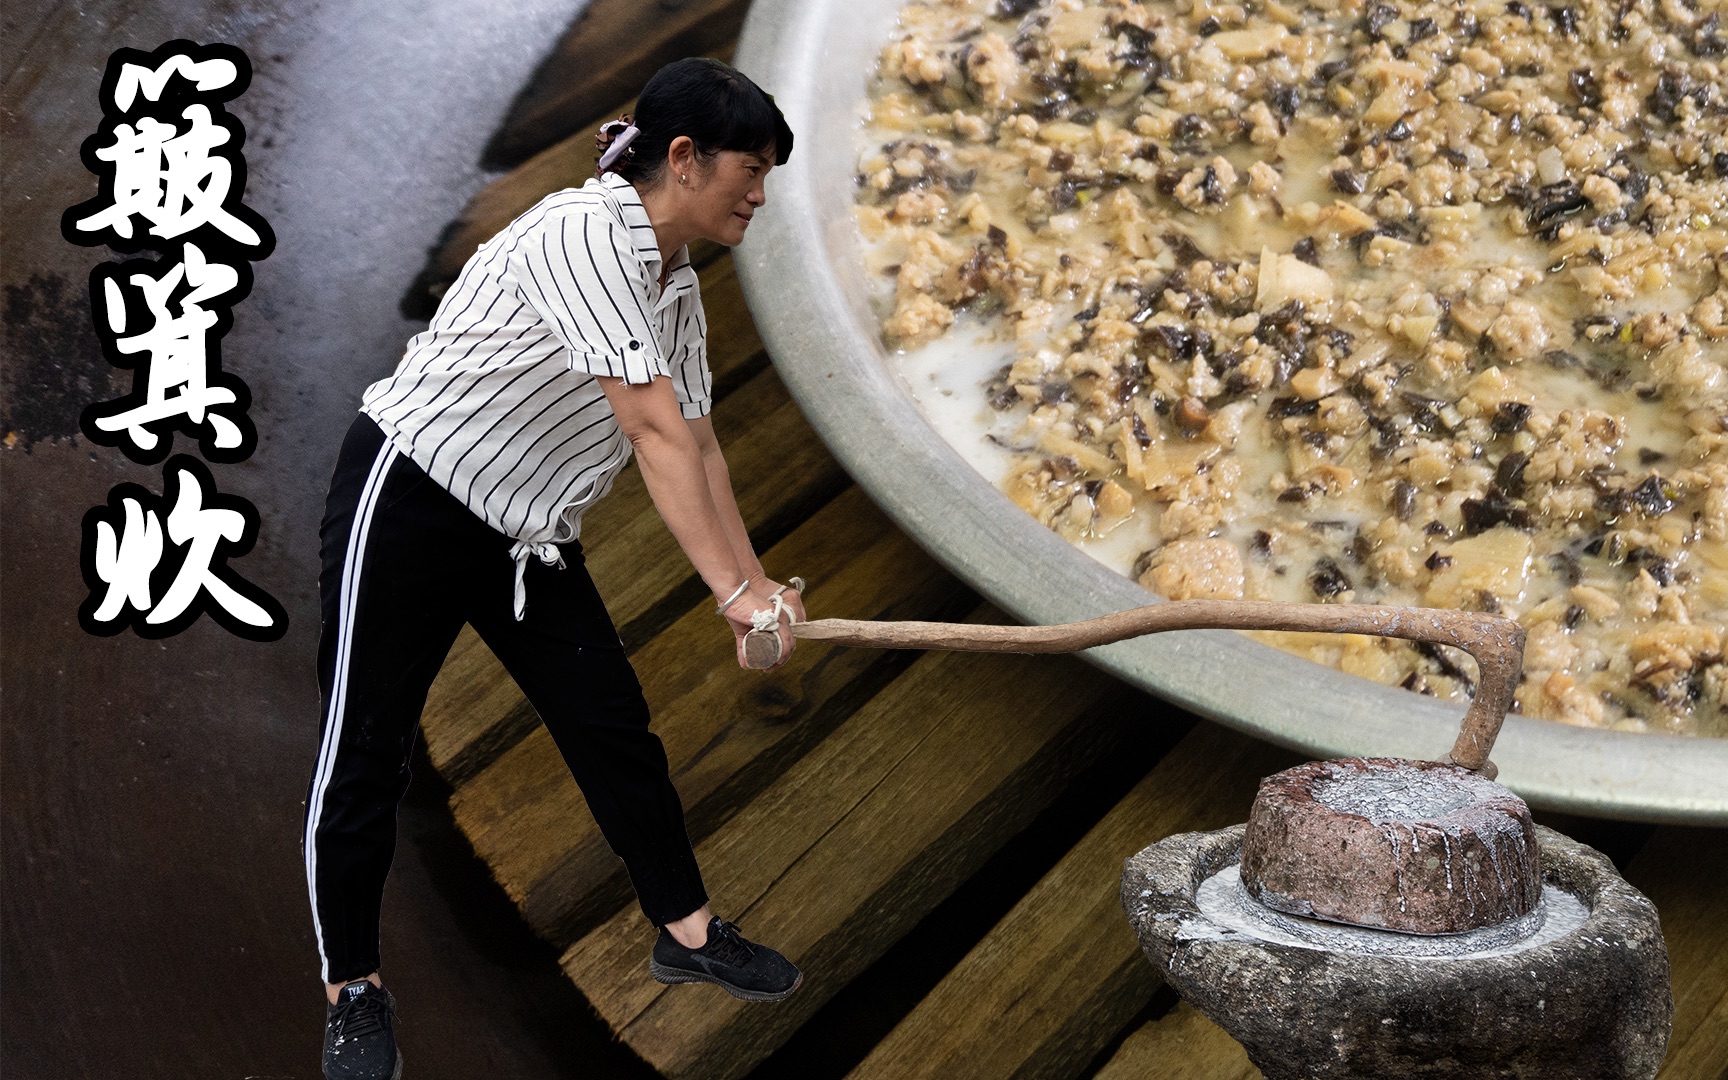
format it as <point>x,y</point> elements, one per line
<point>759,597</point>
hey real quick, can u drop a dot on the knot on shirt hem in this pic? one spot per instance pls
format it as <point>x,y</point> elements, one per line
<point>520,552</point>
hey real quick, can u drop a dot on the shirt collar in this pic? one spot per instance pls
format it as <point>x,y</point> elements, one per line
<point>681,277</point>
<point>635,217</point>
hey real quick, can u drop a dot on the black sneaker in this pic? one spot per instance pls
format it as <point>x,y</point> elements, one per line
<point>358,1041</point>
<point>742,968</point>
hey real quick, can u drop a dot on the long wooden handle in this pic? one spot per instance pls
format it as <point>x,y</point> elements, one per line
<point>1496,642</point>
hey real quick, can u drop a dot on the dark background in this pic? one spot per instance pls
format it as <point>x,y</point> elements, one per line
<point>155,920</point>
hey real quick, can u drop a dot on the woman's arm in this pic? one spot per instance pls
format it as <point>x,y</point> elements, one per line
<point>725,502</point>
<point>726,505</point>
<point>693,494</point>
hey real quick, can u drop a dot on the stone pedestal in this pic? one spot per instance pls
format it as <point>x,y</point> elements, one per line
<point>1578,989</point>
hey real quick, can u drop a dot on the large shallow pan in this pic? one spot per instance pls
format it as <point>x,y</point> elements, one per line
<point>802,273</point>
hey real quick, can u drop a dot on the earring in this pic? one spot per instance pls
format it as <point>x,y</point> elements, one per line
<point>683,178</point>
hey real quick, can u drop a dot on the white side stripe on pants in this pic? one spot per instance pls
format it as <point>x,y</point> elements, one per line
<point>339,684</point>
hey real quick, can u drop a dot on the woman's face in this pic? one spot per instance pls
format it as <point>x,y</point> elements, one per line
<point>726,195</point>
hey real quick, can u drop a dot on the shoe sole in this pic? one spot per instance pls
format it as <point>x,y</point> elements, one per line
<point>670,976</point>
<point>396,1075</point>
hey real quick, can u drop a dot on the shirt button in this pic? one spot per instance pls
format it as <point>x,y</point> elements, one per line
<point>634,344</point>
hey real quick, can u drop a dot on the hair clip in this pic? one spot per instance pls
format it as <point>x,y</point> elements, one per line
<point>613,139</point>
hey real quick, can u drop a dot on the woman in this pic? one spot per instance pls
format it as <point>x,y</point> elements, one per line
<point>571,339</point>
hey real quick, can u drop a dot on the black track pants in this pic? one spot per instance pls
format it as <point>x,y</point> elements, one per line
<point>405,565</point>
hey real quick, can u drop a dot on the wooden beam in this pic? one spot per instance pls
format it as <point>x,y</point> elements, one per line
<point>568,164</point>
<point>1684,872</point>
<point>474,712</point>
<point>1053,983</point>
<point>857,841</point>
<point>605,57</point>
<point>1702,1052</point>
<point>781,474</point>
<point>1180,1045</point>
<point>728,733</point>
<point>564,164</point>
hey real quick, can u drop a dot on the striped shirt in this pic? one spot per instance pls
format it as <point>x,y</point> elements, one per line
<point>497,399</point>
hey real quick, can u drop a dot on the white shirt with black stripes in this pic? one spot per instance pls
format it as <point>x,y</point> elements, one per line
<point>497,399</point>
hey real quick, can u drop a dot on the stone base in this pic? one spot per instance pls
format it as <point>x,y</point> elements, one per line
<point>1578,1001</point>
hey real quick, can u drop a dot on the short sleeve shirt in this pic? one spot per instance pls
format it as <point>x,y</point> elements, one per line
<point>497,400</point>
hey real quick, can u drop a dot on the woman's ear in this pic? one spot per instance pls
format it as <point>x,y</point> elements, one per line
<point>681,157</point>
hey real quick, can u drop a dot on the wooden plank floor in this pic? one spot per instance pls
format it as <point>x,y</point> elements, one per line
<point>837,802</point>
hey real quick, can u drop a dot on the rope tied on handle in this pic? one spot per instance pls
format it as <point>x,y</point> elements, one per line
<point>768,618</point>
<point>762,642</point>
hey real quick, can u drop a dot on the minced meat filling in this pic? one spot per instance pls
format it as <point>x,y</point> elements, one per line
<point>1385,302</point>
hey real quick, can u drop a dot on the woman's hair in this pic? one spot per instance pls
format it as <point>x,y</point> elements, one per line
<point>717,106</point>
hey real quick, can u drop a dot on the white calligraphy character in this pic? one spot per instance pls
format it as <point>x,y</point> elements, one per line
<point>125,561</point>
<point>129,547</point>
<point>177,347</point>
<point>171,180</point>
<point>190,523</point>
<point>207,75</point>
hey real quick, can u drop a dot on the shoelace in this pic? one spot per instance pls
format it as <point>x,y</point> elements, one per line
<point>364,1015</point>
<point>728,946</point>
